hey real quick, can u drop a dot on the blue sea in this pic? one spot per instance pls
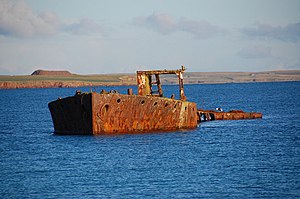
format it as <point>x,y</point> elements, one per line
<point>220,159</point>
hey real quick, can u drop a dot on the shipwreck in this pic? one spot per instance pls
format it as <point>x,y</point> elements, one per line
<point>95,113</point>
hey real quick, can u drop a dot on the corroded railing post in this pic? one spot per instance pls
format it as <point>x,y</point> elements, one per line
<point>144,83</point>
<point>180,78</point>
<point>160,92</point>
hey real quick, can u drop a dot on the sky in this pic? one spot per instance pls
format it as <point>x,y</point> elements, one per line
<point>117,36</point>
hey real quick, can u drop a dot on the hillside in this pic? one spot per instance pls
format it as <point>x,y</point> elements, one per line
<point>51,73</point>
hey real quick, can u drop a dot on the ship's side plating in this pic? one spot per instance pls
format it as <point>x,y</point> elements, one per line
<point>116,113</point>
<point>72,115</point>
<point>95,113</point>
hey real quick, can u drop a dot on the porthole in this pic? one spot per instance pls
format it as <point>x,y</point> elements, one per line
<point>104,109</point>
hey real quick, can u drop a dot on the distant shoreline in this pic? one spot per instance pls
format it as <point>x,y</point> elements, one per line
<point>56,81</point>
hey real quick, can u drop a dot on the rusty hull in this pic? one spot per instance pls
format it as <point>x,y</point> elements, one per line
<point>113,113</point>
<point>210,115</point>
<point>95,113</point>
<point>117,113</point>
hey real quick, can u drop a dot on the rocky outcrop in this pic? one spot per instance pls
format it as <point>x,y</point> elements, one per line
<point>52,73</point>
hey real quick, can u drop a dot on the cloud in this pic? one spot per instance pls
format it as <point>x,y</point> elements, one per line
<point>200,29</point>
<point>165,24</point>
<point>83,26</point>
<point>161,23</point>
<point>288,33</point>
<point>17,19</point>
<point>255,52</point>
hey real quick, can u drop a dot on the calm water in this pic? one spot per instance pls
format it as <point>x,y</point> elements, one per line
<point>220,159</point>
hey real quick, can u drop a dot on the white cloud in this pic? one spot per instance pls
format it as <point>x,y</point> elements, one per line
<point>17,19</point>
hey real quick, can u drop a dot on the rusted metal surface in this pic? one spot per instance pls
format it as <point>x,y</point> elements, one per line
<point>209,115</point>
<point>117,113</point>
<point>95,113</point>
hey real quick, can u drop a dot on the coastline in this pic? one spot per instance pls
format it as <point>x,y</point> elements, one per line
<point>48,81</point>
